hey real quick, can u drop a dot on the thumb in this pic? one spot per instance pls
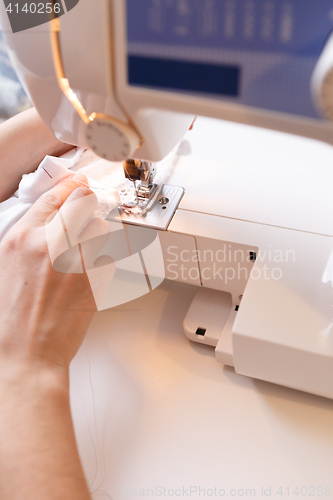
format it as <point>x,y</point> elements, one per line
<point>51,201</point>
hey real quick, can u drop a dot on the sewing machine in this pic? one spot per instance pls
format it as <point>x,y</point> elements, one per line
<point>126,81</point>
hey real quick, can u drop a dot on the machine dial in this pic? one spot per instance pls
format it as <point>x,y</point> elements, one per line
<point>110,138</point>
<point>322,81</point>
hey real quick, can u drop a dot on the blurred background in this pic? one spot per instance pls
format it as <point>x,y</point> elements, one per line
<point>13,99</point>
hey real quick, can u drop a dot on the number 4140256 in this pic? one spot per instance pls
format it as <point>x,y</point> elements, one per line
<point>305,491</point>
<point>35,8</point>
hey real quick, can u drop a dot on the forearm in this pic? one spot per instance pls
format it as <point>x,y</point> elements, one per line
<point>24,142</point>
<point>38,454</point>
<point>44,316</point>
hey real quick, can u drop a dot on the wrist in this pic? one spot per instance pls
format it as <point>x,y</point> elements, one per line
<point>25,379</point>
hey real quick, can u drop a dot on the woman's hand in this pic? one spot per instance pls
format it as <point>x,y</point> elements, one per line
<point>45,313</point>
<point>44,316</point>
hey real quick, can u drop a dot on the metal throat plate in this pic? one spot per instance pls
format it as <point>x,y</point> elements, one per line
<point>159,216</point>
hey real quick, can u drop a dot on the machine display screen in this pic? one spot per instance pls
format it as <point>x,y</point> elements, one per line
<point>259,53</point>
<point>218,79</point>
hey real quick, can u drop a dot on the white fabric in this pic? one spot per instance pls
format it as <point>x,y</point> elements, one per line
<point>51,171</point>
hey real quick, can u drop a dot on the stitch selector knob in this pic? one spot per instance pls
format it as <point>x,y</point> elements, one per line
<point>110,138</point>
<point>322,81</point>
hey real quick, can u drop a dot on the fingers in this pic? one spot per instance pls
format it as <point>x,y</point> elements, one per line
<point>63,238</point>
<point>63,225</point>
<point>84,257</point>
<point>76,212</point>
<point>96,228</point>
<point>74,236</point>
<point>70,259</point>
<point>51,201</point>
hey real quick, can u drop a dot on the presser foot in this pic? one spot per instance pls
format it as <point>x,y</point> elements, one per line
<point>141,201</point>
<point>156,214</point>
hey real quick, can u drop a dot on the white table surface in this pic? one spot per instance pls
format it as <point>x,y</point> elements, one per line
<point>153,411</point>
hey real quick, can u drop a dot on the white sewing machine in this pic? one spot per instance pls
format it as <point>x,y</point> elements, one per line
<point>115,76</point>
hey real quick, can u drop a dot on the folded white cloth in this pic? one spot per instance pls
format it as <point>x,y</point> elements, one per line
<point>51,171</point>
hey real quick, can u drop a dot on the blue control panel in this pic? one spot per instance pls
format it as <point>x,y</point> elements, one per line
<point>259,53</point>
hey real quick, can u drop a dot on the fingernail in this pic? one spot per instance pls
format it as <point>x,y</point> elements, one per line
<point>82,191</point>
<point>81,178</point>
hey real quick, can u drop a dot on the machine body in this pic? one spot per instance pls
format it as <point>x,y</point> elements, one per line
<point>154,64</point>
<point>150,66</point>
